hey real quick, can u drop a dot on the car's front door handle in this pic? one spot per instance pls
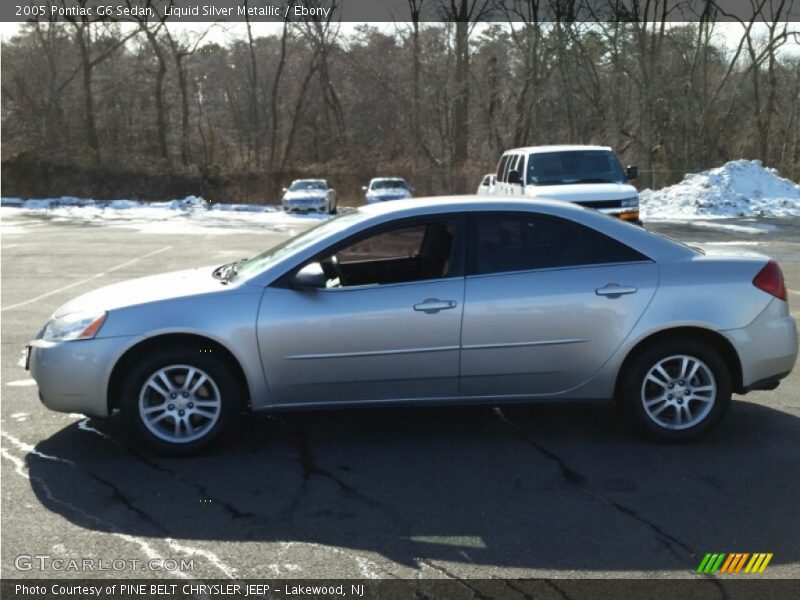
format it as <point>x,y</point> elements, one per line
<point>614,289</point>
<point>434,305</point>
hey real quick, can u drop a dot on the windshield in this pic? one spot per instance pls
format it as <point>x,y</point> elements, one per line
<point>308,185</point>
<point>388,184</point>
<point>574,166</point>
<point>265,260</point>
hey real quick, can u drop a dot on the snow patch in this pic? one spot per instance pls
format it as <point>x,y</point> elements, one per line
<point>192,215</point>
<point>740,188</point>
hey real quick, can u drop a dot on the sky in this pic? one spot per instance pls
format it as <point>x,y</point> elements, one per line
<point>727,33</point>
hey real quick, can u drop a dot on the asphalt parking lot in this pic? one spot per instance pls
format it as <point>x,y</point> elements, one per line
<point>487,492</point>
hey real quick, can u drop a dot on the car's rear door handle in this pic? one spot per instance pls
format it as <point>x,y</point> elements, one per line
<point>614,289</point>
<point>434,305</point>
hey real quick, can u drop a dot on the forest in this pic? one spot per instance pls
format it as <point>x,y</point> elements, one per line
<point>149,110</point>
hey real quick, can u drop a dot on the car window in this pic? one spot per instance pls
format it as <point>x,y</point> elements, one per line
<point>503,242</point>
<point>388,184</point>
<point>412,252</point>
<point>400,243</point>
<point>574,166</point>
<point>501,168</point>
<point>261,262</point>
<point>308,185</point>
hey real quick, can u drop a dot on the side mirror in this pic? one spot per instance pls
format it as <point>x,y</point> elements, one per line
<point>363,188</point>
<point>632,171</point>
<point>310,277</point>
<point>514,177</point>
<point>284,190</point>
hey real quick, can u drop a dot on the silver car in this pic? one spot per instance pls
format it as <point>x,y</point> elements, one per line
<point>430,301</point>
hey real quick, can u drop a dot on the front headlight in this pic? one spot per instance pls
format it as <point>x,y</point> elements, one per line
<point>82,325</point>
<point>631,202</point>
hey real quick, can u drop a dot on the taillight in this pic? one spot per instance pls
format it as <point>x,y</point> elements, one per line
<point>770,279</point>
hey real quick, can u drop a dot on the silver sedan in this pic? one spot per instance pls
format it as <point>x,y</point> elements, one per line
<point>433,301</point>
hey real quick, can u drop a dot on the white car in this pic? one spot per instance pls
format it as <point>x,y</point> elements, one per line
<point>487,184</point>
<point>306,195</point>
<point>381,189</point>
<point>591,176</point>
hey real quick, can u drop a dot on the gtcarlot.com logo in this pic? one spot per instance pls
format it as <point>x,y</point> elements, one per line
<point>734,562</point>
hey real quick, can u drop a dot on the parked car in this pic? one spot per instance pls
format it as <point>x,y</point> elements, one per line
<point>435,301</point>
<point>486,185</point>
<point>591,176</point>
<point>305,195</point>
<point>381,189</point>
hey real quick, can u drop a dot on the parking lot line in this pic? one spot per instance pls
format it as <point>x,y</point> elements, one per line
<point>82,281</point>
<point>795,292</point>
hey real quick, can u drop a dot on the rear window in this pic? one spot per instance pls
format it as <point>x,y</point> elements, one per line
<point>504,242</point>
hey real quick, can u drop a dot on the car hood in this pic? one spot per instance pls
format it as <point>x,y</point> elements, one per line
<point>578,192</point>
<point>166,286</point>
<point>303,194</point>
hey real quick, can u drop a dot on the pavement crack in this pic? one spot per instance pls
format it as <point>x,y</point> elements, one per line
<point>118,495</point>
<point>450,575</point>
<point>557,589</point>
<point>201,490</point>
<point>667,540</point>
<point>526,595</point>
<point>660,533</point>
<point>567,473</point>
<point>309,468</point>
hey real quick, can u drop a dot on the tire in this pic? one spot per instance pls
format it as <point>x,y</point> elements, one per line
<point>198,412</point>
<point>688,409</point>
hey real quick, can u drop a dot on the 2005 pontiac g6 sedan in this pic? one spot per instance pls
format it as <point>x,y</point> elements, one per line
<point>430,301</point>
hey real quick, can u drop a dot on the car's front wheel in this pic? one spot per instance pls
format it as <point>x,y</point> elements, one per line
<point>676,389</point>
<point>179,401</point>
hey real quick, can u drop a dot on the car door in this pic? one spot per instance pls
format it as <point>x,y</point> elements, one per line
<point>547,302</point>
<point>389,332</point>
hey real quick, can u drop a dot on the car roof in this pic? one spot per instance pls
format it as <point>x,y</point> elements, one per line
<point>310,180</point>
<point>554,148</point>
<point>466,202</point>
<point>386,179</point>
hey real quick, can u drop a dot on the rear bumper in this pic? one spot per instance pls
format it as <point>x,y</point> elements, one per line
<point>767,347</point>
<point>767,384</point>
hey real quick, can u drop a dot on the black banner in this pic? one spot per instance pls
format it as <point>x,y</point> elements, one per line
<point>399,10</point>
<point>501,589</point>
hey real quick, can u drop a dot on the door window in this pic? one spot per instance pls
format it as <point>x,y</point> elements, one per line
<point>501,168</point>
<point>411,252</point>
<point>503,242</point>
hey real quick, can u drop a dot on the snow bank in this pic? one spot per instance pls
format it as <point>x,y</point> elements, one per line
<point>740,188</point>
<point>190,215</point>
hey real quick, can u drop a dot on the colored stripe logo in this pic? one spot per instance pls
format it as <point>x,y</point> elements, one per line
<point>732,563</point>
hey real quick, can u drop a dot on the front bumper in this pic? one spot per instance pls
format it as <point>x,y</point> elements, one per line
<point>301,206</point>
<point>767,347</point>
<point>73,376</point>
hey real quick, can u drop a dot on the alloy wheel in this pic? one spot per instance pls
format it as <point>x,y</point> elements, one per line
<point>179,403</point>
<point>678,392</point>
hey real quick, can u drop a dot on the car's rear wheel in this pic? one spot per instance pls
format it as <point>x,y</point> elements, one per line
<point>180,401</point>
<point>676,389</point>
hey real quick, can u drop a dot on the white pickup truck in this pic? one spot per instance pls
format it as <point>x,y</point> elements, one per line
<point>588,175</point>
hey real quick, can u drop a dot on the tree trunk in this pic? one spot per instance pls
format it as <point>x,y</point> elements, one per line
<point>461,99</point>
